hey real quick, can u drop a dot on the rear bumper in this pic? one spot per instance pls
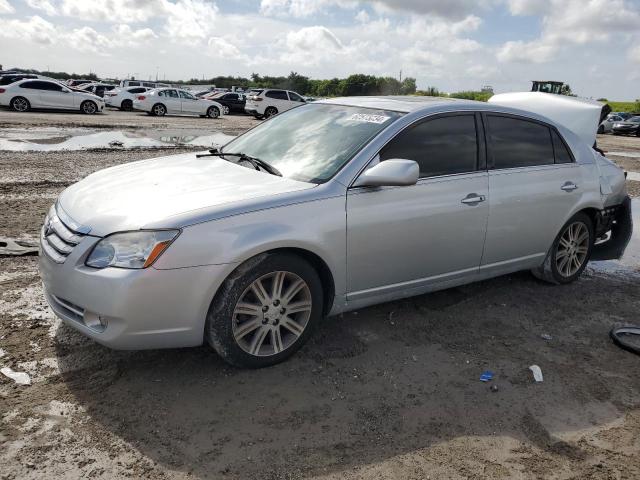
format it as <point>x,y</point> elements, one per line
<point>131,309</point>
<point>621,231</point>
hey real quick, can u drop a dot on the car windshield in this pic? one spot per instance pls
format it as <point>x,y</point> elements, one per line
<point>312,142</point>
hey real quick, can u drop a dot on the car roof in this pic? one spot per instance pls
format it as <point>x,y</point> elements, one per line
<point>398,103</point>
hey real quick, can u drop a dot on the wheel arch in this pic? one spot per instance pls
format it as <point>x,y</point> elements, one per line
<point>314,259</point>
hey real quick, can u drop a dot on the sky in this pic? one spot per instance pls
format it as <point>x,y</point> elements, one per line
<point>594,45</point>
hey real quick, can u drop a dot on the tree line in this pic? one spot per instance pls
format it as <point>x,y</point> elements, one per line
<point>356,84</point>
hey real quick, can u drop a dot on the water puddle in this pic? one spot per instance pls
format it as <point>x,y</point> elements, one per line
<point>629,264</point>
<point>54,139</point>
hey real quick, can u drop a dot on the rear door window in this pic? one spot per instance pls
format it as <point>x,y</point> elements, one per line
<point>277,94</point>
<point>441,146</point>
<point>137,90</point>
<point>519,143</point>
<point>295,97</point>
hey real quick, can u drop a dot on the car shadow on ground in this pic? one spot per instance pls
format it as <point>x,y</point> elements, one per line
<point>385,381</point>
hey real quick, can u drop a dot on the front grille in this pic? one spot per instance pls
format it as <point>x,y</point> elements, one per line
<point>56,238</point>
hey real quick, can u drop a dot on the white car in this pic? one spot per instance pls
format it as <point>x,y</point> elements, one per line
<point>24,95</point>
<point>123,98</point>
<point>607,124</point>
<point>162,101</point>
<point>270,101</point>
<point>97,88</point>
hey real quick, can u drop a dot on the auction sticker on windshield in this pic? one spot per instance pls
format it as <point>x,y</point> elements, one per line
<point>367,117</point>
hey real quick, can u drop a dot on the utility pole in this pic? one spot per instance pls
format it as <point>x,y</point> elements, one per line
<point>400,75</point>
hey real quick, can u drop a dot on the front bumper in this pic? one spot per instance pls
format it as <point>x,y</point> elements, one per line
<point>131,309</point>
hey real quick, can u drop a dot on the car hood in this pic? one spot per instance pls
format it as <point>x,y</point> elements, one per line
<point>161,191</point>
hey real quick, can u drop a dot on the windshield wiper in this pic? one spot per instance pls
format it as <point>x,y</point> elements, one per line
<point>256,162</point>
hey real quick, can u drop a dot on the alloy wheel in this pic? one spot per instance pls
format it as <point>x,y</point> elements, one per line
<point>89,107</point>
<point>225,110</point>
<point>159,110</point>
<point>20,105</point>
<point>272,313</point>
<point>572,249</point>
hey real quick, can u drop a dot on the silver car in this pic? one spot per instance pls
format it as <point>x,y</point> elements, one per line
<point>329,207</point>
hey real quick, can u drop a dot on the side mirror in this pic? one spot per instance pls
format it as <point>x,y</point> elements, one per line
<point>393,172</point>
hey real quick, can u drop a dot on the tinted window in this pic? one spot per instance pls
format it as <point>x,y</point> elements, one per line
<point>295,97</point>
<point>560,149</point>
<point>277,94</point>
<point>441,146</point>
<point>231,96</point>
<point>186,95</point>
<point>137,90</point>
<point>168,93</point>
<point>39,85</point>
<point>134,84</point>
<point>519,143</point>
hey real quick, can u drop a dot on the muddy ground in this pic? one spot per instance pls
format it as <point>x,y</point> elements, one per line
<point>388,392</point>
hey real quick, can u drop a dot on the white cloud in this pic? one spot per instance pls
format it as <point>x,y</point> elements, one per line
<point>526,52</point>
<point>190,20</point>
<point>5,7</point>
<point>128,36</point>
<point>44,5</point>
<point>222,48</point>
<point>634,54</point>
<point>34,29</point>
<point>301,8</point>
<point>86,39</point>
<point>114,10</point>
<point>566,23</point>
<point>448,9</point>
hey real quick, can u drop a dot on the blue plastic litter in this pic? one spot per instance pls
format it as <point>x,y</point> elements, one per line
<point>486,376</point>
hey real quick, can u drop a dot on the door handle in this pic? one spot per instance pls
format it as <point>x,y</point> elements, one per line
<point>473,199</point>
<point>569,186</point>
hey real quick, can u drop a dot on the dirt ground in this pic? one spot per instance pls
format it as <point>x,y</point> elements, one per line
<point>387,392</point>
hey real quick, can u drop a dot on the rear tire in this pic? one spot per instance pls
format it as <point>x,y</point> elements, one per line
<point>270,112</point>
<point>126,105</point>
<point>159,110</point>
<point>255,320</point>
<point>20,104</point>
<point>88,107</point>
<point>570,252</point>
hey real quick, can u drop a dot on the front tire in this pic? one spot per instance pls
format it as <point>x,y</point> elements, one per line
<point>213,112</point>
<point>570,252</point>
<point>20,104</point>
<point>265,311</point>
<point>225,110</point>
<point>88,107</point>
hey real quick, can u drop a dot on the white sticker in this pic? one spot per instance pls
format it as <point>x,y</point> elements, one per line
<point>366,117</point>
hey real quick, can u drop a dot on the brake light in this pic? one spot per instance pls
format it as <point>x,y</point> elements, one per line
<point>141,97</point>
<point>256,99</point>
<point>2,90</point>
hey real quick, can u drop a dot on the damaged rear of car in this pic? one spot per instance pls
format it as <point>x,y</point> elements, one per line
<point>612,220</point>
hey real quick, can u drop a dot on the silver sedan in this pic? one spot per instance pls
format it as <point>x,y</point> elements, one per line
<point>329,207</point>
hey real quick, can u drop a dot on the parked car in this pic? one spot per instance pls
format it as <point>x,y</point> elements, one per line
<point>24,95</point>
<point>123,98</point>
<point>231,101</point>
<point>624,115</point>
<point>10,78</point>
<point>162,101</point>
<point>97,88</point>
<point>77,82</point>
<point>326,208</point>
<point>631,126</point>
<point>607,123</point>
<point>270,101</point>
<point>141,83</point>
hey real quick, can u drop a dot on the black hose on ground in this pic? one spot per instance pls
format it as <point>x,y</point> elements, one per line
<point>622,336</point>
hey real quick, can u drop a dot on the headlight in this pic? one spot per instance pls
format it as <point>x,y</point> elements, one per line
<point>130,249</point>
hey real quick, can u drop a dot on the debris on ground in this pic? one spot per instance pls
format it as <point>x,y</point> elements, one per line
<point>9,246</point>
<point>627,338</point>
<point>546,336</point>
<point>20,378</point>
<point>537,373</point>
<point>493,388</point>
<point>486,376</point>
